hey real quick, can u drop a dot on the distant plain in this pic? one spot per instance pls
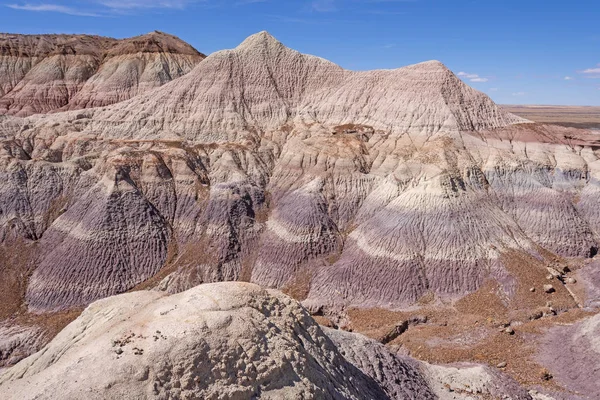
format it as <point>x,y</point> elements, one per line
<point>570,116</point>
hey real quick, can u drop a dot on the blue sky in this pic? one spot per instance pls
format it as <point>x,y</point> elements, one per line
<point>517,51</point>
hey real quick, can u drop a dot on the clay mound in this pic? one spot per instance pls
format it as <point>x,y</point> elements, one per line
<point>153,42</point>
<point>262,85</point>
<point>223,340</point>
<point>44,73</point>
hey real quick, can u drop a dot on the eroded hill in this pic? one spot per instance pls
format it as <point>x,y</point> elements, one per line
<point>45,73</point>
<point>400,189</point>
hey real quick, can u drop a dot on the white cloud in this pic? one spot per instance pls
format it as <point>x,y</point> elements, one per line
<point>133,4</point>
<point>52,8</point>
<point>494,89</point>
<point>98,8</point>
<point>568,78</point>
<point>519,94</point>
<point>323,5</point>
<point>466,75</point>
<point>591,71</point>
<point>472,77</point>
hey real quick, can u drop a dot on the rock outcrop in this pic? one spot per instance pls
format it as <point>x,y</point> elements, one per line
<point>215,341</point>
<point>44,73</point>
<point>227,340</point>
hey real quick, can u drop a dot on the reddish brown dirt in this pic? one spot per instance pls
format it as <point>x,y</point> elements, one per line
<point>471,330</point>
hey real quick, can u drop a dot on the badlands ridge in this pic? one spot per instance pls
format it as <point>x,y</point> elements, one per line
<point>402,190</point>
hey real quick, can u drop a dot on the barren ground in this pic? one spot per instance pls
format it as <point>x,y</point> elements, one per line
<point>571,116</point>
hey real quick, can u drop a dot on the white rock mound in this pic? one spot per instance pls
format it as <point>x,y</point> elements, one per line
<point>218,341</point>
<point>228,341</point>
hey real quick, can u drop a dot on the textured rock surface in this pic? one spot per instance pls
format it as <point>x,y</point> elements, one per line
<point>43,73</point>
<point>250,168</point>
<point>472,381</point>
<point>18,342</point>
<point>229,340</point>
<point>262,85</point>
<point>577,366</point>
<point>388,189</point>
<point>401,377</point>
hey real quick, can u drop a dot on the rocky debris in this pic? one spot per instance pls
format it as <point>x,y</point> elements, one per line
<point>571,281</point>
<point>510,330</point>
<point>44,73</point>
<point>501,365</point>
<point>537,314</point>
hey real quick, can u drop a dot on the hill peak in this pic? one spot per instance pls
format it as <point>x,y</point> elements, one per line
<point>260,39</point>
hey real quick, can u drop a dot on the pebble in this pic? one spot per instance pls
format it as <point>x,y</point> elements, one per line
<point>501,365</point>
<point>548,288</point>
<point>532,289</point>
<point>536,315</point>
<point>571,281</point>
<point>510,331</point>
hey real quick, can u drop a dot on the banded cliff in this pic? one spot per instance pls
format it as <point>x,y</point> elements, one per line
<point>45,73</point>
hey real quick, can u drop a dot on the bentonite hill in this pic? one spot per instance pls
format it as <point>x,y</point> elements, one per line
<point>44,73</point>
<point>401,204</point>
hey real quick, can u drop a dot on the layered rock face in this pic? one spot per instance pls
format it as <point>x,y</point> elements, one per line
<point>270,165</point>
<point>44,73</point>
<point>264,164</point>
<point>387,189</point>
<point>227,341</point>
<point>241,94</point>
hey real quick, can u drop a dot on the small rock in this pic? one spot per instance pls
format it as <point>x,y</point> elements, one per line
<point>419,319</point>
<point>501,365</point>
<point>571,281</point>
<point>396,331</point>
<point>536,315</point>
<point>549,289</point>
<point>119,350</point>
<point>549,277</point>
<point>510,331</point>
<point>546,375</point>
<point>532,289</point>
